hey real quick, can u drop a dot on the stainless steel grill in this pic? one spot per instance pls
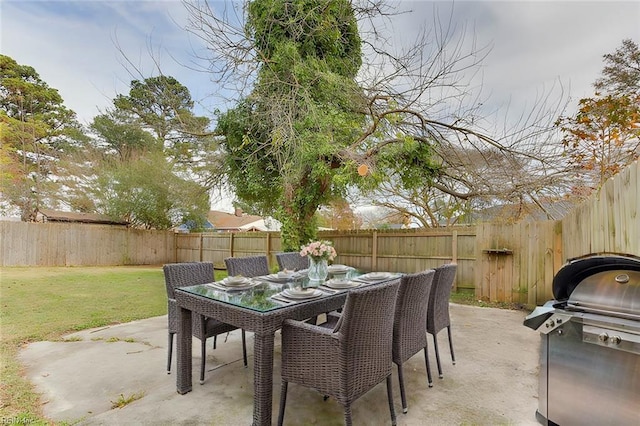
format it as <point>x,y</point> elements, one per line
<point>590,349</point>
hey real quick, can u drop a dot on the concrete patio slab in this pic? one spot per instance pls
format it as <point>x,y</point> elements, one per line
<point>493,382</point>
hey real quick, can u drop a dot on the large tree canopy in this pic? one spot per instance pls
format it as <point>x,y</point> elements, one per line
<point>604,135</point>
<point>147,156</point>
<point>621,72</point>
<point>322,93</point>
<point>36,130</point>
<point>284,140</point>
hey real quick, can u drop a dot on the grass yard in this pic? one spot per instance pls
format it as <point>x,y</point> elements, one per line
<point>44,304</point>
<point>39,304</point>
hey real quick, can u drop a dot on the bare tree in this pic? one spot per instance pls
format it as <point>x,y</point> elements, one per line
<point>429,145</point>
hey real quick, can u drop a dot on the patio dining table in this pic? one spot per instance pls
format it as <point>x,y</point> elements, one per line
<point>258,309</point>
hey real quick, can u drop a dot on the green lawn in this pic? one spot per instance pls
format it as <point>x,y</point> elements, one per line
<point>46,303</point>
<point>40,304</point>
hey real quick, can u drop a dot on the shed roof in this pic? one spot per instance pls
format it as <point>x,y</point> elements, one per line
<point>48,215</point>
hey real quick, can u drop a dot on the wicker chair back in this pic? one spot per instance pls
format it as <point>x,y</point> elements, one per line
<point>292,261</point>
<point>251,266</point>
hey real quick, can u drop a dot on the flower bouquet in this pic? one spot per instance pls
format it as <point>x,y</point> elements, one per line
<point>319,250</point>
<point>319,253</point>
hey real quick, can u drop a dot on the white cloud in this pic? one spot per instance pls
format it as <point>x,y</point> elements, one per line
<point>71,44</point>
<point>535,44</point>
<point>74,46</point>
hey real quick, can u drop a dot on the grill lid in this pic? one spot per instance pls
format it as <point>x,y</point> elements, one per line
<point>614,292</point>
<point>576,270</point>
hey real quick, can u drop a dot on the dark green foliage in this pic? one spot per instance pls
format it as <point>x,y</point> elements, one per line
<point>37,130</point>
<point>145,157</point>
<point>412,161</point>
<point>325,30</point>
<point>285,142</point>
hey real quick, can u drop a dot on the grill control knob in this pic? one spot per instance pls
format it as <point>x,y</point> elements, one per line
<point>550,324</point>
<point>603,337</point>
<point>615,340</point>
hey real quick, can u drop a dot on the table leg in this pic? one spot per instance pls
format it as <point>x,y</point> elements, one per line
<point>184,352</point>
<point>263,378</point>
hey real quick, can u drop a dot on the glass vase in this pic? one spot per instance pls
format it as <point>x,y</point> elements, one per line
<point>318,271</point>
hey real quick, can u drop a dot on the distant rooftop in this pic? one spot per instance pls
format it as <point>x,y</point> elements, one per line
<point>46,215</point>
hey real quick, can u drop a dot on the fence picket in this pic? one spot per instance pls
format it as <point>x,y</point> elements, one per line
<point>607,222</point>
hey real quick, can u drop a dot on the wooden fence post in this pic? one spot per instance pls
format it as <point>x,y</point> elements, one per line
<point>454,256</point>
<point>175,247</point>
<point>374,251</point>
<point>268,247</point>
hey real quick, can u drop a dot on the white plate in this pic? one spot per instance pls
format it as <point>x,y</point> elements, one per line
<point>235,281</point>
<point>301,291</point>
<point>375,276</point>
<point>301,294</point>
<point>280,278</point>
<point>340,284</point>
<point>337,268</point>
<point>221,286</point>
<point>241,287</point>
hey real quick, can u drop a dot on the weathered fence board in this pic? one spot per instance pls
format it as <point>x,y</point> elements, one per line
<point>72,244</point>
<point>502,262</point>
<point>608,221</point>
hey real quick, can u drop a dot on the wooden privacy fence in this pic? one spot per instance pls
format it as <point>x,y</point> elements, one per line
<point>609,221</point>
<point>73,244</point>
<point>505,263</point>
<point>402,251</point>
<point>501,262</point>
<point>215,247</point>
<point>516,263</point>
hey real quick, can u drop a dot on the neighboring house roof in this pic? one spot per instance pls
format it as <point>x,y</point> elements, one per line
<point>190,224</point>
<point>239,221</point>
<point>46,215</point>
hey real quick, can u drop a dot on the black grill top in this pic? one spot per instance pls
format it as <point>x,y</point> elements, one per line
<point>577,269</point>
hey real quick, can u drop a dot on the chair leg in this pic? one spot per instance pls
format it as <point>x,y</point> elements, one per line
<point>390,396</point>
<point>426,361</point>
<point>283,402</point>
<point>244,348</point>
<point>169,353</point>
<point>453,358</point>
<point>403,396</point>
<point>347,415</point>
<point>203,350</point>
<point>435,346</point>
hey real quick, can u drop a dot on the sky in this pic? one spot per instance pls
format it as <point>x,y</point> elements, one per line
<point>90,50</point>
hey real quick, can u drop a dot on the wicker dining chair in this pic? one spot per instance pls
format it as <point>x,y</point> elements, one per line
<point>349,360</point>
<point>186,274</point>
<point>409,323</point>
<point>292,260</point>
<point>251,266</point>
<point>438,311</point>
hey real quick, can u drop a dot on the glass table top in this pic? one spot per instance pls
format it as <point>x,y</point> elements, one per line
<point>262,294</point>
<point>257,298</point>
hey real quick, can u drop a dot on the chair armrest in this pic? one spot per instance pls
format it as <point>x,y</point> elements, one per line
<point>308,342</point>
<point>307,330</point>
<point>305,345</point>
<point>332,321</point>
